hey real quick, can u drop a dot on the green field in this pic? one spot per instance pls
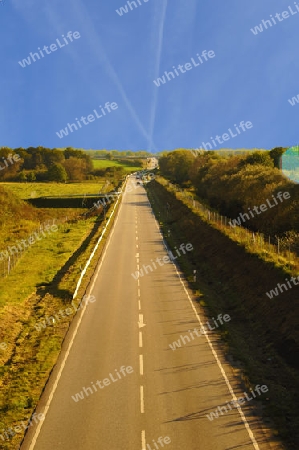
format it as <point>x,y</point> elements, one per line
<point>44,259</point>
<point>103,163</point>
<point>34,190</point>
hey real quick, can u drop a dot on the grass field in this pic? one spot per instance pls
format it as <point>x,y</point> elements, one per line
<point>34,190</point>
<point>41,261</point>
<point>103,163</point>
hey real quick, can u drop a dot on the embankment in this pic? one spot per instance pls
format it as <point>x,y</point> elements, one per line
<point>263,333</point>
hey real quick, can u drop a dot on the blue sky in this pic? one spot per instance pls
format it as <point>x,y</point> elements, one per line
<point>117,58</point>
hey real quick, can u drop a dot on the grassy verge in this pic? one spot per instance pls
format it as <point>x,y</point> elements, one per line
<point>44,259</point>
<point>51,269</point>
<point>252,242</point>
<point>262,338</point>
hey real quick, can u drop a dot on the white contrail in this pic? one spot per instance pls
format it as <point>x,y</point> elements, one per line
<point>182,20</point>
<point>157,71</point>
<point>98,48</point>
<point>94,42</point>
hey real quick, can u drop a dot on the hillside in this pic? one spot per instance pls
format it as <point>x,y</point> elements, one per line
<point>17,218</point>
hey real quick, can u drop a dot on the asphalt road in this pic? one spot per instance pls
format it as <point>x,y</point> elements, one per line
<point>141,390</point>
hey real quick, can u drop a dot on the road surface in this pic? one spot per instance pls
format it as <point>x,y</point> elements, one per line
<point>137,389</point>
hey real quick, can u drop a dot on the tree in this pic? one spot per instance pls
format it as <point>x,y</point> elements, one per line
<point>52,156</point>
<point>259,157</point>
<point>177,165</point>
<point>22,177</point>
<point>75,168</point>
<point>276,154</point>
<point>57,173</point>
<point>79,155</point>
<point>31,176</point>
<point>9,167</point>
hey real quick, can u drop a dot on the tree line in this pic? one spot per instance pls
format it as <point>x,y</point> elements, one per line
<point>44,164</point>
<point>233,184</point>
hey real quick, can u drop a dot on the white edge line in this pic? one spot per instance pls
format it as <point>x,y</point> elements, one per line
<point>247,426</point>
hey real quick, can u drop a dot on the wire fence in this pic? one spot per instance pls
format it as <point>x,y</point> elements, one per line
<point>9,262</point>
<point>255,242</point>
